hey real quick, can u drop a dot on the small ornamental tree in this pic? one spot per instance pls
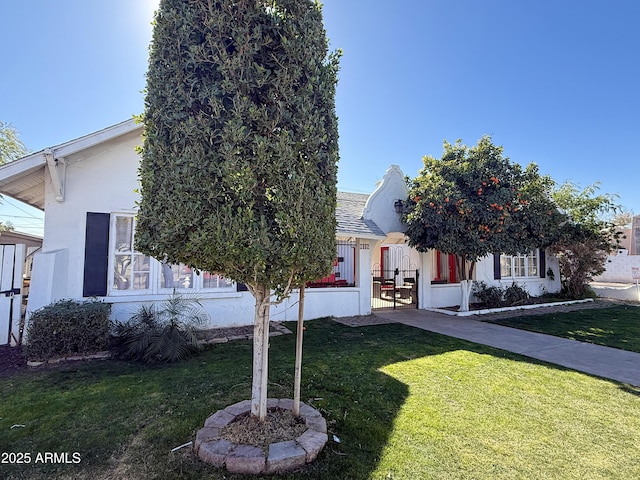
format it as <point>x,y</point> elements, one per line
<point>11,147</point>
<point>238,171</point>
<point>586,238</point>
<point>474,202</point>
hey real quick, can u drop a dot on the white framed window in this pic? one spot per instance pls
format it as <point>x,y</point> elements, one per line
<point>132,273</point>
<point>175,276</point>
<point>443,268</point>
<point>518,266</point>
<point>213,280</point>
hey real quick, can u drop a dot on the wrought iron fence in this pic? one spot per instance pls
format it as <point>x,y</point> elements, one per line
<point>394,289</point>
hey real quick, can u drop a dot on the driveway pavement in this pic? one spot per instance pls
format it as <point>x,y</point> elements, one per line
<point>620,291</point>
<point>606,362</point>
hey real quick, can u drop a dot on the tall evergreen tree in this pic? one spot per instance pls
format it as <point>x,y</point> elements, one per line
<point>239,162</point>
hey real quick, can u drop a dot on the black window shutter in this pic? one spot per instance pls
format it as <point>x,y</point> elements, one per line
<point>241,287</point>
<point>496,267</point>
<point>96,255</point>
<point>542,256</point>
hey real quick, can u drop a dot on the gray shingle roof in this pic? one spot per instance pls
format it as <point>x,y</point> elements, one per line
<point>349,217</point>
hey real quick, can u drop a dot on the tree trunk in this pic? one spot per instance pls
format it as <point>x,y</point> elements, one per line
<point>298,370</point>
<point>465,287</point>
<point>466,284</point>
<point>260,353</point>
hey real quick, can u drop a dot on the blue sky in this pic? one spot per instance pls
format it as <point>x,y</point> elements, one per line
<point>554,82</point>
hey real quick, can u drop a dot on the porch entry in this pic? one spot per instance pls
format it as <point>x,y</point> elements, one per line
<point>394,289</point>
<point>11,270</point>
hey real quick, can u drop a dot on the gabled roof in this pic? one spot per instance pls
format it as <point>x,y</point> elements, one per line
<point>23,179</point>
<point>11,237</point>
<point>349,217</point>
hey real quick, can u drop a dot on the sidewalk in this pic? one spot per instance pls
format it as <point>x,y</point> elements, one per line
<point>606,362</point>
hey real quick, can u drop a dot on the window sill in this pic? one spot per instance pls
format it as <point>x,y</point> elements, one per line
<point>516,279</point>
<point>157,297</point>
<point>330,289</point>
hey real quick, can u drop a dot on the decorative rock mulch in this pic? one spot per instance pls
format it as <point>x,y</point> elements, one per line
<point>362,320</point>
<point>224,335</point>
<point>277,457</point>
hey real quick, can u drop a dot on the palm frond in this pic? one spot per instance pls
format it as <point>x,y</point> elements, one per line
<point>165,334</point>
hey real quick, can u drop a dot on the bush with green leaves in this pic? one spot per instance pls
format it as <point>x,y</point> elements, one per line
<point>68,327</point>
<point>238,168</point>
<point>493,296</point>
<point>514,294</point>
<point>160,334</point>
<point>474,202</point>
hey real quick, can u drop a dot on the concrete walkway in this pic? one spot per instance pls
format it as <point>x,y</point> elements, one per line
<point>606,362</point>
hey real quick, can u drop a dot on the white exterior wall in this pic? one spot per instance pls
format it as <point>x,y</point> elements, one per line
<point>400,256</point>
<point>365,281</point>
<point>104,183</point>
<point>102,179</point>
<point>447,295</point>
<point>48,275</point>
<point>619,269</point>
<point>334,301</point>
<point>380,205</point>
<point>319,302</point>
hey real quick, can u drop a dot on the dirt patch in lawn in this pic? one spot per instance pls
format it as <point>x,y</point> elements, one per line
<point>279,426</point>
<point>12,360</point>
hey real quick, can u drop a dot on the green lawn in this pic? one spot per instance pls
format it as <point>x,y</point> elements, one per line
<point>404,403</point>
<point>617,327</point>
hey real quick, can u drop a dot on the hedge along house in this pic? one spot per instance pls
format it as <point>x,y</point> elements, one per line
<point>87,189</point>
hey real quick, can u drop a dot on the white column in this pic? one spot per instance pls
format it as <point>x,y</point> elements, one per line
<point>363,275</point>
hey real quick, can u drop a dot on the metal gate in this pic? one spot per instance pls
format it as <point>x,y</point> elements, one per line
<point>11,270</point>
<point>394,289</point>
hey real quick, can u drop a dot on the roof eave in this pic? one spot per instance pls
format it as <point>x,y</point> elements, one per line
<point>366,236</point>
<point>101,136</point>
<point>35,163</point>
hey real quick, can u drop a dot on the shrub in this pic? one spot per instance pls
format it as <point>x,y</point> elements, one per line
<point>165,334</point>
<point>68,327</point>
<point>492,297</point>
<point>515,294</point>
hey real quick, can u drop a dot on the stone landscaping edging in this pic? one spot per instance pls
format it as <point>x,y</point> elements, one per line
<point>278,328</point>
<point>72,358</point>
<point>277,457</point>
<point>486,311</point>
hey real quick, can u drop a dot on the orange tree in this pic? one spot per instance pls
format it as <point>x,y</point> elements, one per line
<point>474,202</point>
<point>239,161</point>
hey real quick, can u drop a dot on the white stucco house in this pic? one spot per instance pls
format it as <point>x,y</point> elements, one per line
<point>87,189</point>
